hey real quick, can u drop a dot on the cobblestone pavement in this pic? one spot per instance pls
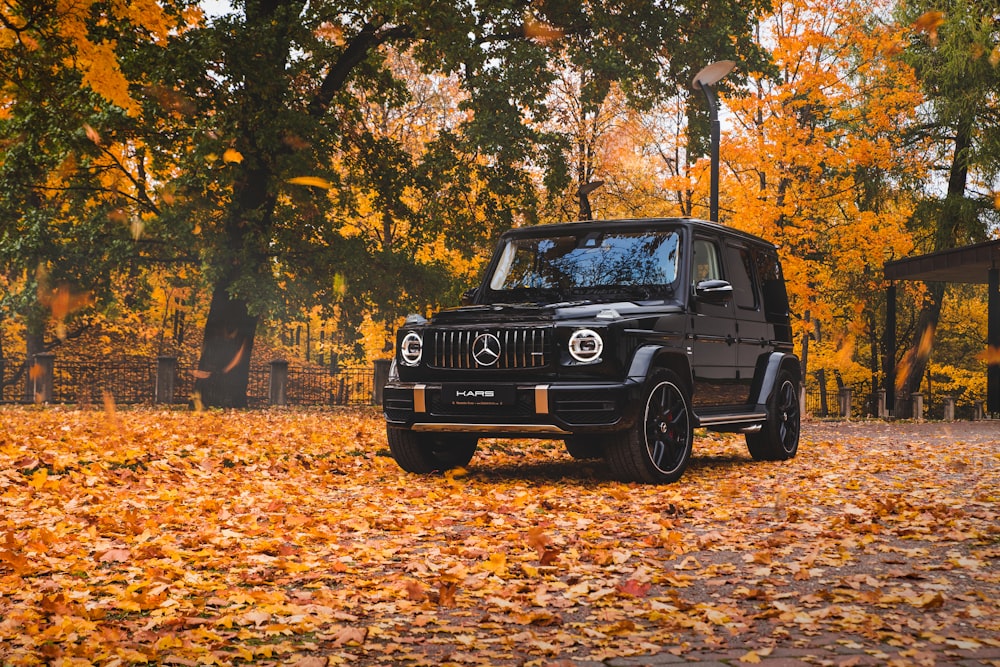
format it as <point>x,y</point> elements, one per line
<point>917,647</point>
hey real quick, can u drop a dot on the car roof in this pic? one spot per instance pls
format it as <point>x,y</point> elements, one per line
<point>574,228</point>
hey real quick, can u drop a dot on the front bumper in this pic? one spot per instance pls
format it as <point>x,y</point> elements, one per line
<point>536,410</point>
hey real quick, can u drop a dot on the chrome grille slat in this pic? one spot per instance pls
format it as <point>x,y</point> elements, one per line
<point>522,348</point>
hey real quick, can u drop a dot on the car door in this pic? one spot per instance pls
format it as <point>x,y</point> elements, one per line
<point>752,330</point>
<point>712,334</point>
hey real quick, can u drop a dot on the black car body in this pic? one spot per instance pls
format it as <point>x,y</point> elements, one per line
<point>619,337</point>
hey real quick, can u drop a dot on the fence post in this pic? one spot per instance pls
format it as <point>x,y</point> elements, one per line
<point>278,394</point>
<point>166,373</point>
<point>41,373</point>
<point>845,402</point>
<point>918,406</point>
<point>381,372</point>
<point>977,411</point>
<point>949,408</point>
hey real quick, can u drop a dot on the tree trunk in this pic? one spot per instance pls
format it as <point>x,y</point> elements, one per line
<point>949,223</point>
<point>224,368</point>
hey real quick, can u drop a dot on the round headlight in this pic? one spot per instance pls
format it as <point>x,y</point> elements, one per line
<point>411,348</point>
<point>586,346</point>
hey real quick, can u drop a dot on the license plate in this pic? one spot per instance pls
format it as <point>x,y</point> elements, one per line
<point>471,394</point>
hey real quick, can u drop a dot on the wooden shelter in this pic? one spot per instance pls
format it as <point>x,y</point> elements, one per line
<point>979,263</point>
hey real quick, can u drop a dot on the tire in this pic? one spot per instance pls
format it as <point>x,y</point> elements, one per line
<point>583,447</point>
<point>424,453</point>
<point>778,440</point>
<point>657,449</point>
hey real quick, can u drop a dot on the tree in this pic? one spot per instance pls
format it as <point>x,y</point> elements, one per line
<point>815,165</point>
<point>274,89</point>
<point>72,198</point>
<point>954,47</point>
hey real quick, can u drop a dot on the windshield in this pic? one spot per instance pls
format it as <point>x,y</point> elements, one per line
<point>597,262</point>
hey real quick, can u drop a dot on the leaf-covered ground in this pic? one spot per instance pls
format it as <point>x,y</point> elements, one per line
<point>291,537</point>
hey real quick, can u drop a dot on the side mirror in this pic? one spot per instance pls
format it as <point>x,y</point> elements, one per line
<point>469,296</point>
<point>713,291</point>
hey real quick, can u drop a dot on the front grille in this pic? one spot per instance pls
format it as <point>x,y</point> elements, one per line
<point>518,348</point>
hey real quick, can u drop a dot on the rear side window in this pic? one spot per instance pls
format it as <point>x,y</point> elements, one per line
<point>742,274</point>
<point>772,286</point>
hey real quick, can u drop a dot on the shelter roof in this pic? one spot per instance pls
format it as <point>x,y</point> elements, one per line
<point>970,264</point>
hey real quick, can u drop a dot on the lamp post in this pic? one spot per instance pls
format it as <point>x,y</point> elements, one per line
<point>703,81</point>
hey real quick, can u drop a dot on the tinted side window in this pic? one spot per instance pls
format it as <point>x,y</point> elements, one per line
<point>741,276</point>
<point>706,264</point>
<point>772,286</point>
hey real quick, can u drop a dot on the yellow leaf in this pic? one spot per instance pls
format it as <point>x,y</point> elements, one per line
<point>233,156</point>
<point>497,564</point>
<point>314,181</point>
<point>39,478</point>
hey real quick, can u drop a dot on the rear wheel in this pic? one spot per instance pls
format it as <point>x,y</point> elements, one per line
<point>657,449</point>
<point>778,440</point>
<point>429,452</point>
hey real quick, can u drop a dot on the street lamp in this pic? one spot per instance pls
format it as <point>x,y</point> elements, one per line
<point>703,81</point>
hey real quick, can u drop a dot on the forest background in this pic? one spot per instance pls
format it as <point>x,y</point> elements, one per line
<point>292,178</point>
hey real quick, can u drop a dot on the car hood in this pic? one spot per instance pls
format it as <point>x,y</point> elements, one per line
<point>511,313</point>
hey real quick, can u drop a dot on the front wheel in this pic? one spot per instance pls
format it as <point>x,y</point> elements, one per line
<point>657,449</point>
<point>778,440</point>
<point>424,453</point>
<point>583,447</point>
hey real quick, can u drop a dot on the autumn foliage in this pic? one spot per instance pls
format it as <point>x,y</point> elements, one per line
<point>290,537</point>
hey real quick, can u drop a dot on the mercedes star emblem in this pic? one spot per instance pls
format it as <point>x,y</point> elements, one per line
<point>486,349</point>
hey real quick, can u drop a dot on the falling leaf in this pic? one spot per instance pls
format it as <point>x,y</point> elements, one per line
<point>92,134</point>
<point>541,31</point>
<point>990,357</point>
<point>928,23</point>
<point>233,156</point>
<point>236,359</point>
<point>312,181</point>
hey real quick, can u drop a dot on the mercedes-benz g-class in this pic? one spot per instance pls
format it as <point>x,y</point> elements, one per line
<point>619,337</point>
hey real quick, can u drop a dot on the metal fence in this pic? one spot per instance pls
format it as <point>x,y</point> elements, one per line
<point>134,381</point>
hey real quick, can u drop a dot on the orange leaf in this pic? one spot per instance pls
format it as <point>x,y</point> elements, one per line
<point>236,360</point>
<point>232,156</point>
<point>313,181</point>
<point>635,588</point>
<point>991,356</point>
<point>116,556</point>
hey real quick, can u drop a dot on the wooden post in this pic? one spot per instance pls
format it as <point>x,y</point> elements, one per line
<point>278,388</point>
<point>845,402</point>
<point>918,406</point>
<point>949,408</point>
<point>166,374</point>
<point>41,374</point>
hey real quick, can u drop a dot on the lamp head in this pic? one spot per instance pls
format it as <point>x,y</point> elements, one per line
<point>712,74</point>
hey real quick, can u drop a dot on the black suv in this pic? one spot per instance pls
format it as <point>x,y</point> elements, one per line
<point>619,337</point>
